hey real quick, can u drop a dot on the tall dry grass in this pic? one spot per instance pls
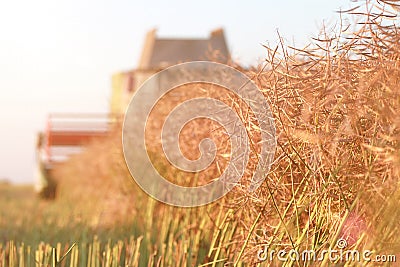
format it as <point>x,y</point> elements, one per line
<point>336,105</point>
<point>335,175</point>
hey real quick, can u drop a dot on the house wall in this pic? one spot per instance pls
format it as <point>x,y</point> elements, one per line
<point>124,85</point>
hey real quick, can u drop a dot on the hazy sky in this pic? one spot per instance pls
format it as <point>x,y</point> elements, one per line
<point>58,56</point>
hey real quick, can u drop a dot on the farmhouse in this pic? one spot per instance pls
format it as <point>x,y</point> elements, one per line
<point>160,53</point>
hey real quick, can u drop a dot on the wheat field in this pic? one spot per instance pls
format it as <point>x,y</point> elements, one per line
<point>335,175</point>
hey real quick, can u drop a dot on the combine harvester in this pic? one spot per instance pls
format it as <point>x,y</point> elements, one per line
<point>65,135</point>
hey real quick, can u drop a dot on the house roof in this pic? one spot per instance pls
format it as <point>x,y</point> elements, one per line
<point>163,52</point>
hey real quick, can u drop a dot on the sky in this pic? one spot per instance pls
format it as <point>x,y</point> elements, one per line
<point>58,56</point>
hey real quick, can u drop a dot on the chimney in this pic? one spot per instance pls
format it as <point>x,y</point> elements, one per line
<point>148,47</point>
<point>218,43</point>
<point>217,33</point>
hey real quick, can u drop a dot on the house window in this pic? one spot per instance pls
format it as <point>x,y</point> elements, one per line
<point>130,83</point>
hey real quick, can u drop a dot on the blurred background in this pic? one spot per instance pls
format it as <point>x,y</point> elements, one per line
<point>59,56</point>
